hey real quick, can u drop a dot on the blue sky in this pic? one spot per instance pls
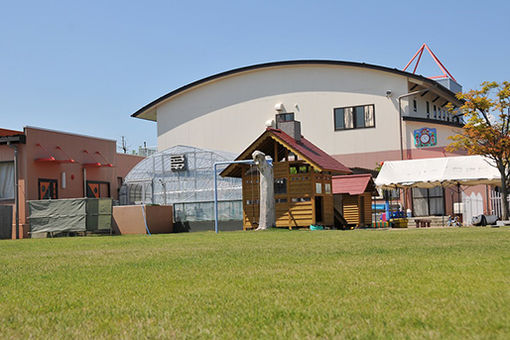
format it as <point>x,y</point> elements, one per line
<point>86,66</point>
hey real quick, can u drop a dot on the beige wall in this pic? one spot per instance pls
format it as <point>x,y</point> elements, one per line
<point>229,113</point>
<point>129,219</point>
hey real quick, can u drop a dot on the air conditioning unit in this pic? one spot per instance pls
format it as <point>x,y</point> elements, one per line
<point>178,162</point>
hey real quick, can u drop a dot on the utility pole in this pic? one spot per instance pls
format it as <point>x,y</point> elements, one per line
<point>124,146</point>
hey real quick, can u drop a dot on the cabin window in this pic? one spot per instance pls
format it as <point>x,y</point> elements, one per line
<point>280,186</point>
<point>303,169</point>
<point>285,117</point>
<point>318,188</point>
<point>300,199</point>
<point>327,188</point>
<point>355,117</point>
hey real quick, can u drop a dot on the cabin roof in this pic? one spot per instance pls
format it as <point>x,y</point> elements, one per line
<point>352,184</point>
<point>304,149</point>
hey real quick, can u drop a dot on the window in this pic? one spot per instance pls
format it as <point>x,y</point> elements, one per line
<point>318,188</point>
<point>96,189</point>
<point>327,188</point>
<point>303,169</point>
<point>355,117</point>
<point>428,202</point>
<point>391,194</point>
<point>6,180</point>
<point>280,186</point>
<point>428,109</point>
<point>415,107</point>
<point>48,189</point>
<point>435,112</point>
<point>285,117</point>
<point>300,199</point>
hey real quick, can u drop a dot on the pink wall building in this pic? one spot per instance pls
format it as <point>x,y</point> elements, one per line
<point>54,164</point>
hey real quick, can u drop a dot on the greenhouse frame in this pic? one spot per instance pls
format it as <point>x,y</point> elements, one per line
<point>183,176</point>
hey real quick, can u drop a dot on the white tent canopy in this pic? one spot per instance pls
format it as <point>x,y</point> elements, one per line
<point>432,172</point>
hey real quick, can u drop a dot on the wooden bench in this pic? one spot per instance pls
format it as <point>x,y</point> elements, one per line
<point>422,223</point>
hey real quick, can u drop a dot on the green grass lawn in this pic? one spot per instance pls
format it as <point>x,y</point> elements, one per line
<point>440,283</point>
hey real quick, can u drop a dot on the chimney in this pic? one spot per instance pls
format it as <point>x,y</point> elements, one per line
<point>291,127</point>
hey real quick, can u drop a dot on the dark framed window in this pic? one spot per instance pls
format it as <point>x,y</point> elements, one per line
<point>280,186</point>
<point>48,189</point>
<point>354,117</point>
<point>435,111</point>
<point>97,189</point>
<point>391,194</point>
<point>428,202</point>
<point>415,106</point>
<point>428,109</point>
<point>285,117</point>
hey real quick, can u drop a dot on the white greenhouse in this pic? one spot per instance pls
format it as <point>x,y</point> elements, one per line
<point>183,176</point>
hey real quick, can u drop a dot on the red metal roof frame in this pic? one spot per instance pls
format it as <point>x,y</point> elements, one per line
<point>96,164</point>
<point>419,53</point>
<point>51,158</point>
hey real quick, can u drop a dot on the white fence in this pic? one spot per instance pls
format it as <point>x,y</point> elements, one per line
<point>472,205</point>
<point>496,204</point>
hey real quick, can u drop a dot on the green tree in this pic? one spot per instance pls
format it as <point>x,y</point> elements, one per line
<point>487,129</point>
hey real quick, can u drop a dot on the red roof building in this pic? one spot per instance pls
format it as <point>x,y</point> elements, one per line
<point>353,184</point>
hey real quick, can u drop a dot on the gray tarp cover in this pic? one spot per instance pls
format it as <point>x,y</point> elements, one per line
<point>62,215</point>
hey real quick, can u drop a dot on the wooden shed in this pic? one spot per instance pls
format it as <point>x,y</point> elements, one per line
<point>353,198</point>
<point>302,175</point>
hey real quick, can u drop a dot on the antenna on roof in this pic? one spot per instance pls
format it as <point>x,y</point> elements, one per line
<point>418,54</point>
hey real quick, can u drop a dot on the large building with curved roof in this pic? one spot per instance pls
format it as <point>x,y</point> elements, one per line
<point>358,113</point>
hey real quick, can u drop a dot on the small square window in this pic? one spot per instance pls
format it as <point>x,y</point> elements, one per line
<point>327,188</point>
<point>318,188</point>
<point>280,186</point>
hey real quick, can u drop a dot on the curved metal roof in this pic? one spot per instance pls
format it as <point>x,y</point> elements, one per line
<point>181,89</point>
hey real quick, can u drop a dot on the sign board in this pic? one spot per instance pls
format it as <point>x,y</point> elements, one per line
<point>425,137</point>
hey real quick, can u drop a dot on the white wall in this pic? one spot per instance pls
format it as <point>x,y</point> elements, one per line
<point>443,133</point>
<point>229,113</point>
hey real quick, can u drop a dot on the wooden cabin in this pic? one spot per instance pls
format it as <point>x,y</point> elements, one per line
<point>353,198</point>
<point>302,176</point>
